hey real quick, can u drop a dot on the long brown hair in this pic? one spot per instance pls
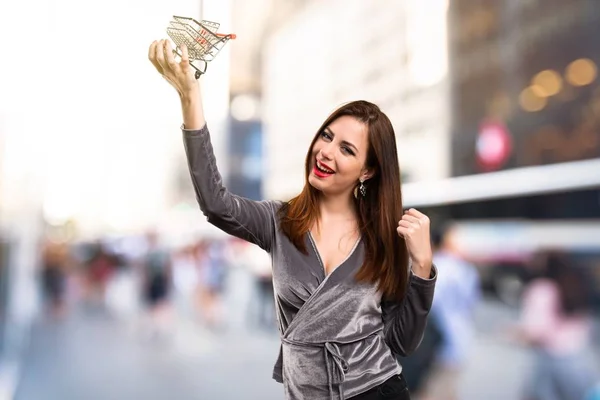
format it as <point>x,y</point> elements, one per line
<point>386,256</point>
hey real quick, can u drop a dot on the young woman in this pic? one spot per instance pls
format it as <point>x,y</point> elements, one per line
<point>347,297</point>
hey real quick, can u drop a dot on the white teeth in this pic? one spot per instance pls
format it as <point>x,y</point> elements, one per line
<point>323,169</point>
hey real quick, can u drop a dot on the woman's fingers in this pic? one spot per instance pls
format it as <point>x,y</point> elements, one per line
<point>151,51</point>
<point>410,218</point>
<point>406,224</point>
<point>404,232</point>
<point>416,216</point>
<point>412,222</point>
<point>414,228</point>
<point>405,229</point>
<point>177,72</point>
<point>170,57</point>
<point>416,213</point>
<point>185,58</point>
<point>160,54</point>
<point>152,57</point>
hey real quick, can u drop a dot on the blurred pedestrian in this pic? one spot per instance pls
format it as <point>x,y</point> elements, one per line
<point>54,264</point>
<point>185,280</point>
<point>262,307</point>
<point>556,322</point>
<point>213,274</point>
<point>457,294</point>
<point>157,287</point>
<point>100,267</point>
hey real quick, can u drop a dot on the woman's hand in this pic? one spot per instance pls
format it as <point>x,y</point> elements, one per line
<point>179,74</point>
<point>414,228</point>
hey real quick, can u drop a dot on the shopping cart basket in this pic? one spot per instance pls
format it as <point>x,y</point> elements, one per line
<point>201,38</point>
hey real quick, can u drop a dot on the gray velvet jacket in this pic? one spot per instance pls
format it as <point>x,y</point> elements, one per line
<point>337,337</point>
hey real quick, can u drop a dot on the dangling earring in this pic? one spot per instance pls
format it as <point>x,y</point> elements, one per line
<point>362,188</point>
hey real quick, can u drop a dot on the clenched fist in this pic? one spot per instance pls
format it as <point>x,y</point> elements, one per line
<point>414,228</point>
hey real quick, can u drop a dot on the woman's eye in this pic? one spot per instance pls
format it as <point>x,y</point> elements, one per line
<point>325,135</point>
<point>346,150</point>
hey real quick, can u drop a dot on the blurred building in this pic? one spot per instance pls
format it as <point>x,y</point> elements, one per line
<point>23,146</point>
<point>245,155</point>
<point>253,22</point>
<point>328,53</point>
<point>524,93</point>
<point>525,134</point>
<point>525,111</point>
<point>528,68</point>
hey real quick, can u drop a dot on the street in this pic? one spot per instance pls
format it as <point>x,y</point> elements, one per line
<point>98,355</point>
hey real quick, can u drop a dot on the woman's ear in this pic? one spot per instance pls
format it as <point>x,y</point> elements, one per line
<point>367,174</point>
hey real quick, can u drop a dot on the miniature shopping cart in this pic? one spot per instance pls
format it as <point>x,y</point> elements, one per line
<point>201,38</point>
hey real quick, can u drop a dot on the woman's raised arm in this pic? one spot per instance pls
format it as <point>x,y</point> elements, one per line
<point>247,219</point>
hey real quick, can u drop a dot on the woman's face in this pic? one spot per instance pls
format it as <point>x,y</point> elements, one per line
<point>339,156</point>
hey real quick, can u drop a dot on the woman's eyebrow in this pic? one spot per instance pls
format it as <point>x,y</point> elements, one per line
<point>347,143</point>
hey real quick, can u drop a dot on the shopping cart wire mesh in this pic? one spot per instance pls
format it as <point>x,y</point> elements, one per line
<point>201,38</point>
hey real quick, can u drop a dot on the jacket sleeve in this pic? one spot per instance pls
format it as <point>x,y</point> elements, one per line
<point>404,321</point>
<point>247,219</point>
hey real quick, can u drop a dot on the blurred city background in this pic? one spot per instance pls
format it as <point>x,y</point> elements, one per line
<point>114,286</point>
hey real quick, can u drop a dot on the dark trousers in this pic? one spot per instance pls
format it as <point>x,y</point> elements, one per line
<point>394,388</point>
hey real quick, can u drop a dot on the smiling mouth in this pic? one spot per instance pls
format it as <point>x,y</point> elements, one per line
<point>321,171</point>
<point>323,168</point>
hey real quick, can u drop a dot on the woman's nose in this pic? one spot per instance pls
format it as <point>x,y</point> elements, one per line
<point>327,151</point>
